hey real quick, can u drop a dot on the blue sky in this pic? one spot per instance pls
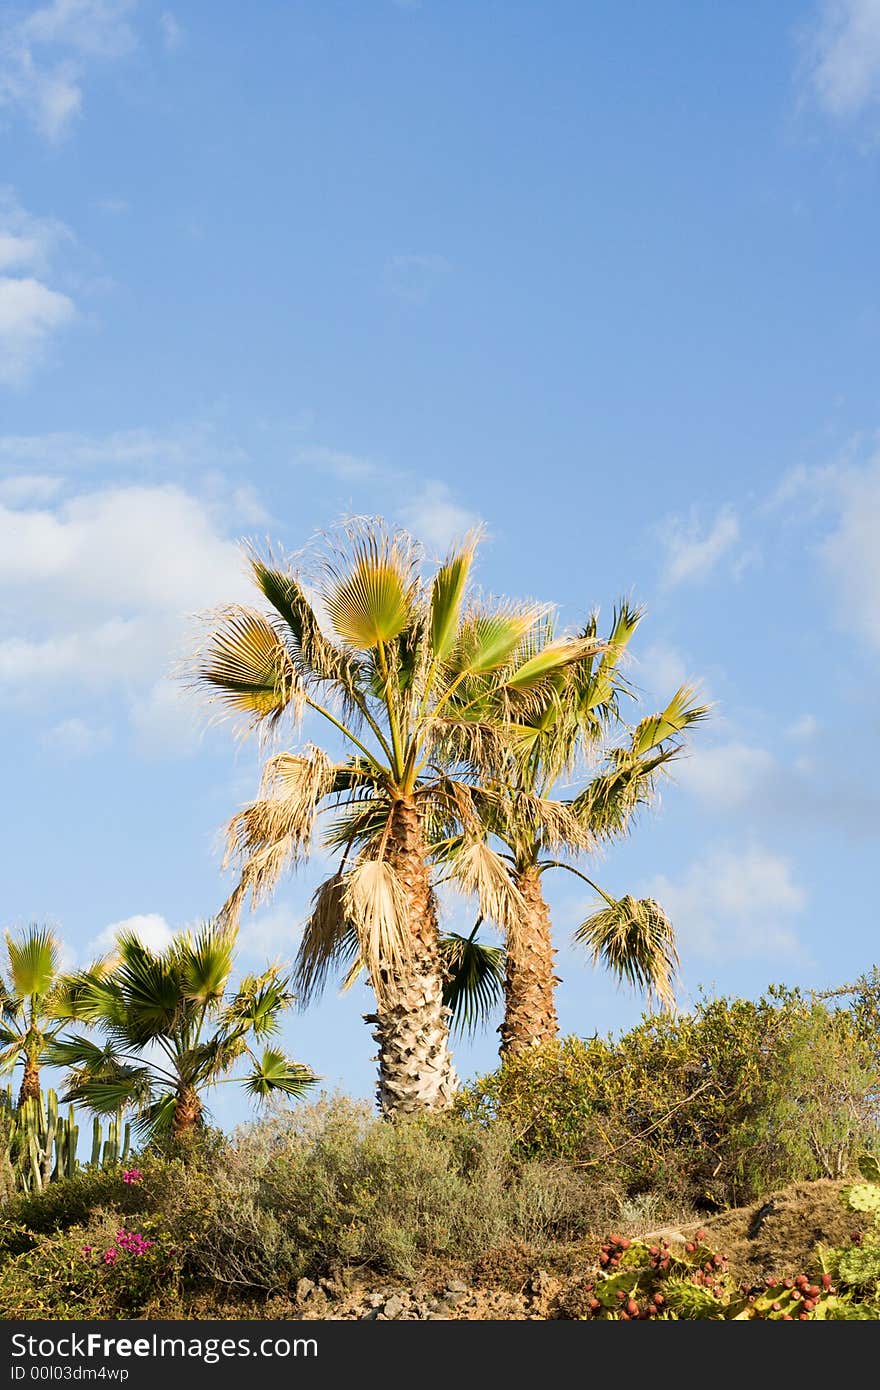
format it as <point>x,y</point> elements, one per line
<point>601,276</point>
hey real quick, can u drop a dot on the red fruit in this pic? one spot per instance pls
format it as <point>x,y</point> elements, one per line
<point>701,1235</point>
<point>603,1259</point>
<point>777,1307</point>
<point>621,1295</point>
<point>826,1282</point>
<point>655,1250</point>
<point>788,1283</point>
<point>690,1247</point>
<point>624,1244</point>
<point>803,1317</point>
<point>614,1240</point>
<point>632,1308</point>
<point>809,1305</point>
<point>595,1305</point>
<point>786,1317</point>
<point>659,1300</point>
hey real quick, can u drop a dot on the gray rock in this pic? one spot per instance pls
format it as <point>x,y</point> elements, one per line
<point>304,1289</point>
<point>453,1297</point>
<point>456,1286</point>
<point>394,1307</point>
<point>370,1315</point>
<point>376,1300</point>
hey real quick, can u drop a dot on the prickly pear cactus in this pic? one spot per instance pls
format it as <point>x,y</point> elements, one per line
<point>864,1196</point>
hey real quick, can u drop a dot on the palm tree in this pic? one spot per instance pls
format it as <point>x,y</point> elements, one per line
<point>31,1005</point>
<point>398,667</point>
<point>632,937</point>
<point>172,1029</point>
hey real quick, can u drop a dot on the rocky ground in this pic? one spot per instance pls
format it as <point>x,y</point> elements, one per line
<point>773,1237</point>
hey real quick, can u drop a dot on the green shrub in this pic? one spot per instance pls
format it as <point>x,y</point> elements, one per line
<point>710,1109</point>
<point>101,1270</point>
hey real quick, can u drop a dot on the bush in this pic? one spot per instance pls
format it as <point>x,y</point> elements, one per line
<point>711,1109</point>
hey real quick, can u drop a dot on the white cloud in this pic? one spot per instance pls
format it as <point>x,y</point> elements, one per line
<point>31,312</point>
<point>150,928</point>
<point>29,487</point>
<point>845,495</point>
<point>693,552</point>
<point>435,519</point>
<point>45,56</point>
<point>172,34</point>
<point>843,56</point>
<point>185,449</point>
<point>96,593</point>
<point>725,776</point>
<point>74,738</point>
<point>804,728</point>
<point>732,903</point>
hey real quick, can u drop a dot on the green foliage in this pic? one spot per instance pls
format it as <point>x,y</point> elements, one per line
<point>712,1108</point>
<point>641,1282</point>
<point>68,1275</point>
<point>40,1144</point>
<point>172,1028</point>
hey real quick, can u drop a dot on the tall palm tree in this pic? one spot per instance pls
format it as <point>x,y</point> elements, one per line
<point>31,1004</point>
<point>173,1028</point>
<point>396,662</point>
<point>579,720</point>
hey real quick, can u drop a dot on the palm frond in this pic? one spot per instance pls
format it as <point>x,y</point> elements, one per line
<point>245,666</point>
<point>34,958</point>
<point>473,980</point>
<point>274,1072</point>
<point>447,594</point>
<point>328,940</point>
<point>369,604</point>
<point>681,713</point>
<point>205,962</point>
<point>635,940</point>
<point>374,903</point>
<point>478,870</point>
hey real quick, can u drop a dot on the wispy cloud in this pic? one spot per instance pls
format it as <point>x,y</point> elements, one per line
<point>845,498</point>
<point>150,928</point>
<point>435,518</point>
<point>414,277</point>
<point>693,550</point>
<point>734,903</point>
<point>31,312</point>
<point>842,50</point>
<point>75,738</point>
<point>46,55</point>
<point>173,35</point>
<point>725,776</point>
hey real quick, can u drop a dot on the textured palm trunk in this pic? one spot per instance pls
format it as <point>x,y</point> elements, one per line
<point>30,1082</point>
<point>529,983</point>
<point>416,1073</point>
<point>186,1112</point>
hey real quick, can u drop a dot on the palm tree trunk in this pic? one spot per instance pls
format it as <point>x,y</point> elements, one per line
<point>187,1110</point>
<point>416,1073</point>
<point>529,983</point>
<point>30,1082</point>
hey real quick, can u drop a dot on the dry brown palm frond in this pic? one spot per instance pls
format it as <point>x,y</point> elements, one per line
<point>478,870</point>
<point>374,903</point>
<point>328,940</point>
<point>551,821</point>
<point>275,831</point>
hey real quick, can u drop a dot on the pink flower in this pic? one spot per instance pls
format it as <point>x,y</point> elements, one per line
<point>132,1175</point>
<point>111,1256</point>
<point>87,1249</point>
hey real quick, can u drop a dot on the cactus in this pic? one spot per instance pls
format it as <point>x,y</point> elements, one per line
<point>42,1143</point>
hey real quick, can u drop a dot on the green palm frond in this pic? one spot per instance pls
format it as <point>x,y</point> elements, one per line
<point>34,960</point>
<point>246,667</point>
<point>370,602</point>
<point>447,594</point>
<point>474,980</point>
<point>205,962</point>
<point>635,940</point>
<point>680,714</point>
<point>316,656</point>
<point>273,1072</point>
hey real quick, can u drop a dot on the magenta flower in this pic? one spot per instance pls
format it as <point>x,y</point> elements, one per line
<point>132,1175</point>
<point>111,1256</point>
<point>87,1249</point>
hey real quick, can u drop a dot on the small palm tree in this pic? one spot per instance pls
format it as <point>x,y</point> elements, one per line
<point>172,1029</point>
<point>579,715</point>
<point>396,662</point>
<point>31,1005</point>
